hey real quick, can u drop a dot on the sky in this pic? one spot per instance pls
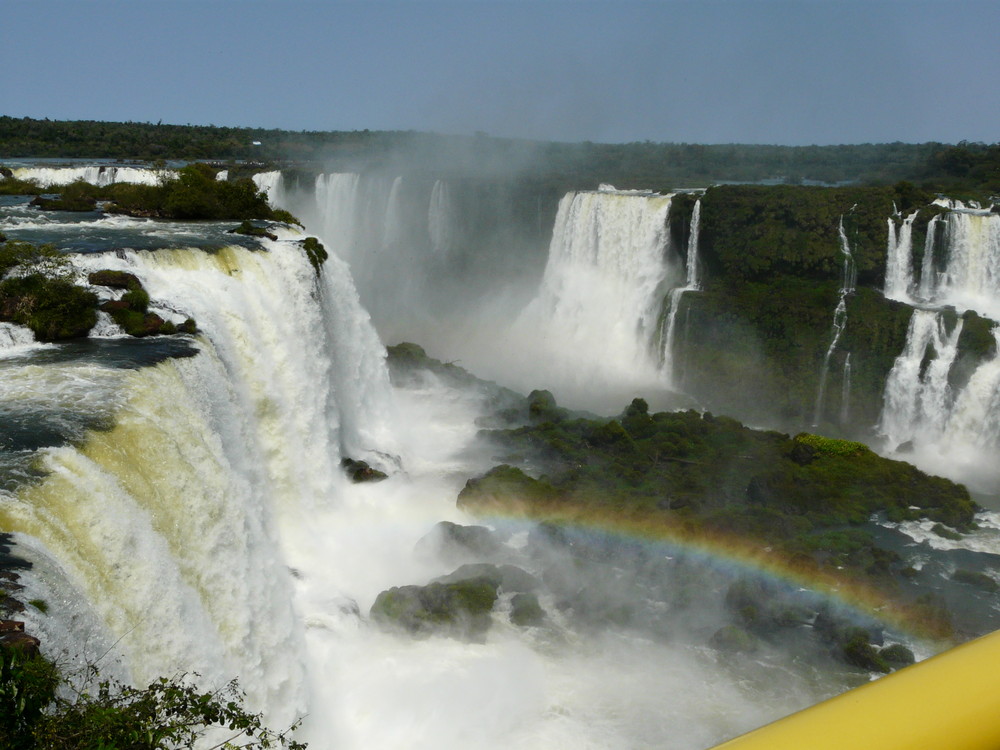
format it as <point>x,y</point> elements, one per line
<point>793,72</point>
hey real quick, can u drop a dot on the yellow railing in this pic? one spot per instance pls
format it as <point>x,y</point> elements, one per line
<point>948,702</point>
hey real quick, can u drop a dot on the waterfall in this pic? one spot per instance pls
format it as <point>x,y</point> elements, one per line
<point>668,350</point>
<point>592,326</point>
<point>918,397</point>
<point>100,176</point>
<point>176,527</point>
<point>928,277</point>
<point>969,261</point>
<point>899,259</point>
<point>845,392</point>
<point>947,432</point>
<point>272,184</point>
<point>848,280</point>
<point>439,218</point>
<point>15,338</point>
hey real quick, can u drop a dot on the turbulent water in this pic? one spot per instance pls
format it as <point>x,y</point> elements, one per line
<point>183,504</point>
<point>945,424</point>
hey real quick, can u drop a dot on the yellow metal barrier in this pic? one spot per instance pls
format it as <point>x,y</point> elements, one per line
<point>948,702</point>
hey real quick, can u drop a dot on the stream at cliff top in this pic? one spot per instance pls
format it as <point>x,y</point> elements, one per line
<point>183,504</point>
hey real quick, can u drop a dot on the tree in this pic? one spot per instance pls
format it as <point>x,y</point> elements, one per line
<point>41,710</point>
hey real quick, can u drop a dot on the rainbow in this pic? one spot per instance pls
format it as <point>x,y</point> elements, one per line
<point>729,552</point>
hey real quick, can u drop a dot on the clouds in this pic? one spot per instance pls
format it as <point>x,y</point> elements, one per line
<point>753,71</point>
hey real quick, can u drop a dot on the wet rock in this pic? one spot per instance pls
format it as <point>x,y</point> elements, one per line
<point>361,471</point>
<point>505,577</point>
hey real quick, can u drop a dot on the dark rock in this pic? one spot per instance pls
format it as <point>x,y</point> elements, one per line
<point>28,644</point>
<point>361,471</point>
<point>114,280</point>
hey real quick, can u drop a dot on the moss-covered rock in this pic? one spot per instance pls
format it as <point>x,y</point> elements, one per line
<point>525,610</point>
<point>897,656</point>
<point>252,230</point>
<point>460,609</point>
<point>503,487</point>
<point>315,252</point>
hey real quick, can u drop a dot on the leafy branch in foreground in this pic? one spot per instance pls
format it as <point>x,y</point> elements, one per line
<point>40,710</point>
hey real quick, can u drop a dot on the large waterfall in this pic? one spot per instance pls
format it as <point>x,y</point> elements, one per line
<point>949,425</point>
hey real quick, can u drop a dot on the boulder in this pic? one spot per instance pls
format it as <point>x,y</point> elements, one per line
<point>361,471</point>
<point>460,609</point>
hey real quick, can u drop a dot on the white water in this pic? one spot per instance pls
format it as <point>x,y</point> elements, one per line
<point>971,275</point>
<point>211,529</point>
<point>15,339</point>
<point>899,260</point>
<point>691,284</point>
<point>101,176</point>
<point>593,325</point>
<point>954,434</point>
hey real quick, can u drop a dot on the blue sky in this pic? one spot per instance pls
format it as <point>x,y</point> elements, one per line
<point>748,71</point>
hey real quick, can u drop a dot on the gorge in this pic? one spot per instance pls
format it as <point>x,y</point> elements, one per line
<point>183,505</point>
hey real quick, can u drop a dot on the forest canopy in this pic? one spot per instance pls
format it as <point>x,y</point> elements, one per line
<point>965,166</point>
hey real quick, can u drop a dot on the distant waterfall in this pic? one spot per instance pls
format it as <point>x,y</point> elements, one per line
<point>592,326</point>
<point>101,176</point>
<point>845,391</point>
<point>848,281</point>
<point>961,263</point>
<point>440,219</point>
<point>899,259</point>
<point>668,349</point>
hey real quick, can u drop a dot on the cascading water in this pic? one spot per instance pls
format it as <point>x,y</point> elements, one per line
<point>691,284</point>
<point>899,259</point>
<point>848,281</point>
<point>101,176</point>
<point>949,432</point>
<point>970,278</point>
<point>440,219</point>
<point>592,327</point>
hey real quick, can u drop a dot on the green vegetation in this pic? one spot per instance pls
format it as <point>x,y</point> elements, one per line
<point>53,308</point>
<point>315,252</point>
<point>457,608</point>
<point>251,230</point>
<point>40,710</point>
<point>568,165</point>
<point>807,496</point>
<point>194,195</point>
